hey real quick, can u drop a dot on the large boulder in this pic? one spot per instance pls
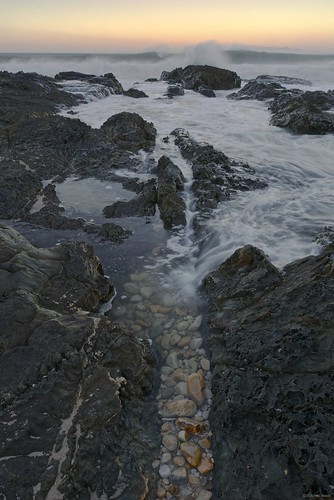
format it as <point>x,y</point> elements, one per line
<point>130,131</point>
<point>305,113</point>
<point>73,386</point>
<point>194,76</point>
<point>142,205</point>
<point>170,186</point>
<point>271,347</point>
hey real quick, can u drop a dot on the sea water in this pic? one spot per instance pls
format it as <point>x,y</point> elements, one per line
<point>283,219</point>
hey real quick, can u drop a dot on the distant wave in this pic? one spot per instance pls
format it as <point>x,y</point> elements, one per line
<point>234,56</point>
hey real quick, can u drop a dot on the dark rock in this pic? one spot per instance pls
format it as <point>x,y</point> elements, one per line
<point>170,183</point>
<point>174,90</point>
<point>137,94</point>
<point>108,231</point>
<point>258,90</point>
<point>27,95</point>
<point>142,205</point>
<point>284,80</point>
<point>108,80</point>
<point>73,386</point>
<point>271,341</point>
<point>130,131</point>
<point>19,187</point>
<point>152,80</point>
<point>193,77</point>
<point>305,113</point>
<point>216,177</point>
<point>206,91</point>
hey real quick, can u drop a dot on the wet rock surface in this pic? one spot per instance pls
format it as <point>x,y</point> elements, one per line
<point>135,93</point>
<point>271,347</point>
<point>144,204</point>
<point>175,91</point>
<point>283,80</point>
<point>216,177</point>
<point>130,131</point>
<point>108,80</point>
<point>27,95</point>
<point>170,186</point>
<point>194,76</point>
<point>259,90</point>
<point>74,386</point>
<point>307,113</point>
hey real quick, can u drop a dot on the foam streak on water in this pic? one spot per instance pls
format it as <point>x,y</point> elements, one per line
<point>282,219</point>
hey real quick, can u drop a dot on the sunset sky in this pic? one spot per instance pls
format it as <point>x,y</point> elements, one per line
<point>136,25</point>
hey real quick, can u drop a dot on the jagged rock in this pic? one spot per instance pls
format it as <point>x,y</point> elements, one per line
<point>271,342</point>
<point>174,91</point>
<point>216,176</point>
<point>258,90</point>
<point>19,187</point>
<point>206,91</point>
<point>170,183</point>
<point>194,76</point>
<point>27,95</point>
<point>108,80</point>
<point>130,131</point>
<point>135,93</point>
<point>72,384</point>
<point>306,113</point>
<point>284,80</point>
<point>142,205</point>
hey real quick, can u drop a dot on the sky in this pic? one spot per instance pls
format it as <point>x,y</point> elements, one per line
<point>136,25</point>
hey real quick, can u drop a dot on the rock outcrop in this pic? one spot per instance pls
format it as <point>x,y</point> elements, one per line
<point>73,386</point>
<point>258,90</point>
<point>142,205</point>
<point>135,93</point>
<point>170,186</point>
<point>306,113</point>
<point>108,80</point>
<point>27,95</point>
<point>271,344</point>
<point>130,131</point>
<point>216,177</point>
<point>195,76</point>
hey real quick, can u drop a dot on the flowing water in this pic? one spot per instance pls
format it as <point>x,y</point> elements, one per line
<point>157,272</point>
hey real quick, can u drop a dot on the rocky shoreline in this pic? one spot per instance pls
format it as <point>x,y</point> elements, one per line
<point>228,396</point>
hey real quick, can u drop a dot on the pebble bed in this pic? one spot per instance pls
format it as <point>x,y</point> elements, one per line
<point>185,463</point>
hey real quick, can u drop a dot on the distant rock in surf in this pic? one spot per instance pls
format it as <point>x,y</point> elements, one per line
<point>306,113</point>
<point>193,77</point>
<point>135,93</point>
<point>108,80</point>
<point>258,90</point>
<point>284,80</point>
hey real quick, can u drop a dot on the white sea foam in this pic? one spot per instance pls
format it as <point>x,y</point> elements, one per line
<point>282,219</point>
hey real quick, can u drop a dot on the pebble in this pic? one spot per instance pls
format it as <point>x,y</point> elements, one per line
<point>136,298</point>
<point>194,481</point>
<point>156,464</point>
<point>161,493</point>
<point>195,324</point>
<point>183,408</point>
<point>166,370</point>
<point>164,471</point>
<point>190,425</point>
<point>191,453</point>
<point>131,288</point>
<point>179,460</point>
<point>180,473</point>
<point>183,435</point>
<point>172,360</point>
<point>196,384</point>
<point>170,441</point>
<point>146,292</point>
<point>205,465</point>
<point>184,341</point>
<point>205,443</point>
<point>178,375</point>
<point>204,495</point>
<point>205,364</point>
<point>165,458</point>
<point>196,344</point>
<point>181,388</point>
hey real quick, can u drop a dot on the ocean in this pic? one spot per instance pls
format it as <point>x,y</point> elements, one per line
<point>283,219</point>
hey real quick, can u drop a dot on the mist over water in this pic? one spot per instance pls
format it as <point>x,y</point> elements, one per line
<point>283,219</point>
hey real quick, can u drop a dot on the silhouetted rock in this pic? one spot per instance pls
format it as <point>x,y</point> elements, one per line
<point>194,76</point>
<point>270,338</point>
<point>108,80</point>
<point>130,131</point>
